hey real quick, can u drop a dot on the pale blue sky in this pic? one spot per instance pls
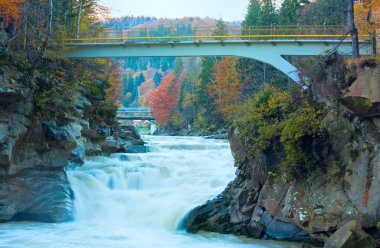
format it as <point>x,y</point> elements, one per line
<point>229,10</point>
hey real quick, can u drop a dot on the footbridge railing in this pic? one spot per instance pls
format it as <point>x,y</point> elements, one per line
<point>188,33</point>
<point>135,113</point>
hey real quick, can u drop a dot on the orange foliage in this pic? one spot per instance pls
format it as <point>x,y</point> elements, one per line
<point>114,92</point>
<point>10,10</point>
<point>165,98</point>
<point>226,89</point>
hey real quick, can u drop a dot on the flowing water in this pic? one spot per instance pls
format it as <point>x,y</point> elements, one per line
<point>139,200</point>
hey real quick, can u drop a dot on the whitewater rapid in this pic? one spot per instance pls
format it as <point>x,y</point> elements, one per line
<point>140,200</point>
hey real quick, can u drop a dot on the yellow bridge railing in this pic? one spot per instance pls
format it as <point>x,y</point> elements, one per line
<point>188,33</point>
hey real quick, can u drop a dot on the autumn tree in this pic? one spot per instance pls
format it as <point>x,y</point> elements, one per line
<point>146,91</point>
<point>226,89</point>
<point>187,96</point>
<point>10,11</point>
<point>364,21</point>
<point>113,93</point>
<point>165,99</point>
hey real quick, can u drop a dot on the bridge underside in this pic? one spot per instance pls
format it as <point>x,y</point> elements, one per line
<point>267,51</point>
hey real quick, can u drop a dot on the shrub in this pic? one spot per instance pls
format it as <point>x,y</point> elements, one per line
<point>286,122</point>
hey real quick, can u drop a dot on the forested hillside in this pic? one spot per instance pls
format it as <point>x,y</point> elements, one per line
<point>210,89</point>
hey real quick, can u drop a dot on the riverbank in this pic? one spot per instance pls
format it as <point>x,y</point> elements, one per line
<point>335,205</point>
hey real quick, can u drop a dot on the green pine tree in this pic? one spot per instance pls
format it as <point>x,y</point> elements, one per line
<point>268,14</point>
<point>253,14</point>
<point>220,29</point>
<point>289,12</point>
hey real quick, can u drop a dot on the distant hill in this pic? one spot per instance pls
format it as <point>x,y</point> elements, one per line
<point>129,22</point>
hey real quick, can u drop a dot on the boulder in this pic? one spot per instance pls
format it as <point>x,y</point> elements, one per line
<point>11,85</point>
<point>212,216</point>
<point>350,235</point>
<point>363,96</point>
<point>111,145</point>
<point>97,134</point>
<point>61,136</point>
<point>77,156</point>
<point>92,149</point>
<point>274,227</point>
<point>41,194</point>
<point>281,228</point>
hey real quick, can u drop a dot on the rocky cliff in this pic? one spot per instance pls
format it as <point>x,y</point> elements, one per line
<point>36,150</point>
<point>338,205</point>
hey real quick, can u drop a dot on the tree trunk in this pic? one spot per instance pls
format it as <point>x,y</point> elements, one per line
<point>50,19</point>
<point>79,16</point>
<point>353,30</point>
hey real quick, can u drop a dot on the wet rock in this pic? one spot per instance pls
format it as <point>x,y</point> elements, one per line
<point>256,229</point>
<point>41,194</point>
<point>216,136</point>
<point>212,216</point>
<point>274,227</point>
<point>350,235</point>
<point>78,155</point>
<point>281,228</point>
<point>136,149</point>
<point>128,132</point>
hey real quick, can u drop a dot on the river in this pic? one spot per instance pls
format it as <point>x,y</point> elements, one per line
<point>139,200</point>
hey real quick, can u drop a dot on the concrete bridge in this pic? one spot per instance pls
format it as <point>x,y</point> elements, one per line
<point>135,113</point>
<point>267,44</point>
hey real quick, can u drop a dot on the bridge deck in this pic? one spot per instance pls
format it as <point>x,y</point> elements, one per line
<point>135,113</point>
<point>266,44</point>
<point>188,33</point>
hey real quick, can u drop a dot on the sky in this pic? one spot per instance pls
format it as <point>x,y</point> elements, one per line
<point>228,10</point>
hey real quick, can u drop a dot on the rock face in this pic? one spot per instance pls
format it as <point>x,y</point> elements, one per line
<point>259,205</point>
<point>42,194</point>
<point>363,96</point>
<point>350,235</point>
<point>35,153</point>
<point>33,183</point>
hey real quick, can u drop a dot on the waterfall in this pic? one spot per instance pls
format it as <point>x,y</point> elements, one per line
<point>139,200</point>
<point>154,189</point>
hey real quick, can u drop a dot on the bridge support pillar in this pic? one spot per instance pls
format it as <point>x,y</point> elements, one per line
<point>283,65</point>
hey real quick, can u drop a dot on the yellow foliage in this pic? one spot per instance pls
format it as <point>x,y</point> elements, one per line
<point>364,25</point>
